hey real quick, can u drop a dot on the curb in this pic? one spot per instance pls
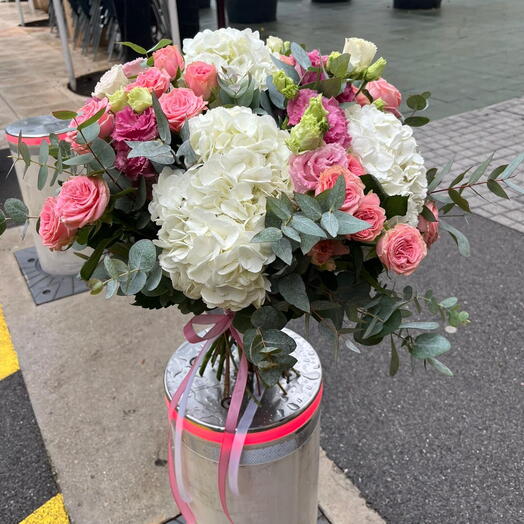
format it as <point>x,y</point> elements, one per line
<point>28,488</point>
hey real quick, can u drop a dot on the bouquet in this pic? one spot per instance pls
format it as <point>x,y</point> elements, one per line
<point>263,180</point>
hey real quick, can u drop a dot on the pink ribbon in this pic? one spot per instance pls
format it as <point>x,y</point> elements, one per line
<point>232,441</point>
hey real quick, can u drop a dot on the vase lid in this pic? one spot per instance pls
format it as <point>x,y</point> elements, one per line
<point>36,126</point>
<point>205,407</point>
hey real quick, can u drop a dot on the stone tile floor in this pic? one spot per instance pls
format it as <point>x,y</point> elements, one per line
<point>469,53</point>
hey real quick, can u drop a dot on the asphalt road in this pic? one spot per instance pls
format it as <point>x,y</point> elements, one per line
<point>424,448</point>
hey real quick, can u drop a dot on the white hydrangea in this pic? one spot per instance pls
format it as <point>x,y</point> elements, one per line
<point>111,81</point>
<point>388,151</point>
<point>233,52</point>
<point>209,213</point>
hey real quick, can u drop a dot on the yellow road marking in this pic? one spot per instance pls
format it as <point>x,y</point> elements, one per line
<point>8,359</point>
<point>52,512</point>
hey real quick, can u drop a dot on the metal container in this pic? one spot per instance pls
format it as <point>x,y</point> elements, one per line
<point>34,131</point>
<point>278,476</point>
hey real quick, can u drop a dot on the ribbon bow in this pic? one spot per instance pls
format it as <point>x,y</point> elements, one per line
<point>234,432</point>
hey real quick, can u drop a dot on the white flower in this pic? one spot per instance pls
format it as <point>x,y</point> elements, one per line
<point>111,81</point>
<point>209,213</point>
<point>388,151</point>
<point>274,44</point>
<point>362,53</point>
<point>233,52</point>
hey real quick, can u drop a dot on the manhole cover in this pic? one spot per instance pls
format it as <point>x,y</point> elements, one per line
<point>44,287</point>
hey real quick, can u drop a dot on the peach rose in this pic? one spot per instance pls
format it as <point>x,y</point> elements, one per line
<point>90,108</point>
<point>53,232</point>
<point>201,78</point>
<point>179,105</point>
<point>169,59</point>
<point>370,211</point>
<point>288,60</point>
<point>401,249</point>
<point>355,166</point>
<point>354,186</point>
<point>323,252</point>
<point>82,200</point>
<point>429,230</point>
<point>154,79</point>
<point>384,90</point>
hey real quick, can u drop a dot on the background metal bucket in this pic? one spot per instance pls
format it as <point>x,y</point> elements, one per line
<point>35,130</point>
<point>278,477</point>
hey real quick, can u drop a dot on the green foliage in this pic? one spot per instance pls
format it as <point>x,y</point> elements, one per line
<point>153,150</point>
<point>16,210</point>
<point>300,55</point>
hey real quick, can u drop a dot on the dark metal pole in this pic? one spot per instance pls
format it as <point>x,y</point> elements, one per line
<point>221,13</point>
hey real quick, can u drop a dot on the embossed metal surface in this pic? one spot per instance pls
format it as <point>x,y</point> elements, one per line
<point>205,400</point>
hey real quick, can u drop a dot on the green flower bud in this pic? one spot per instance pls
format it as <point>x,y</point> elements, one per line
<point>309,132</point>
<point>139,98</point>
<point>379,103</point>
<point>118,100</point>
<point>331,57</point>
<point>285,85</point>
<point>375,70</point>
<point>275,44</point>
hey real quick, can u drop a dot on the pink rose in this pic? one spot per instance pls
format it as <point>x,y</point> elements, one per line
<point>348,95</point>
<point>82,200</point>
<point>133,126</point>
<point>370,211</point>
<point>354,186</point>
<point>382,89</point>
<point>90,108</point>
<point>323,252</point>
<point>133,68</point>
<point>429,230</point>
<point>201,78</point>
<point>179,105</point>
<point>169,59</point>
<point>154,79</point>
<point>53,232</point>
<point>355,166</point>
<point>133,168</point>
<point>401,249</point>
<point>317,60</point>
<point>306,167</point>
<point>288,60</point>
<point>338,125</point>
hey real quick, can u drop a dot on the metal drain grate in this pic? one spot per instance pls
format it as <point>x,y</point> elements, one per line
<point>44,287</point>
<point>180,520</point>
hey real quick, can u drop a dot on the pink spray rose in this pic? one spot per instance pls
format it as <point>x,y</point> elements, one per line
<point>133,68</point>
<point>322,253</point>
<point>133,126</point>
<point>401,249</point>
<point>201,78</point>
<point>154,79</point>
<point>90,108</point>
<point>348,95</point>
<point>169,59</point>
<point>338,126</point>
<point>429,230</point>
<point>179,105</point>
<point>355,166</point>
<point>354,186</point>
<point>133,168</point>
<point>82,200</point>
<point>53,232</point>
<point>288,60</point>
<point>306,167</point>
<point>370,211</point>
<point>384,90</point>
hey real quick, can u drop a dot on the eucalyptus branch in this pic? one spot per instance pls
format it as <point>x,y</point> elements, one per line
<point>464,186</point>
<point>41,165</point>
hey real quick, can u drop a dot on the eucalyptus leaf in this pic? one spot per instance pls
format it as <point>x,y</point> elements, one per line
<point>291,233</point>
<point>290,71</point>
<point>112,288</point>
<point>416,121</point>
<point>282,249</point>
<point>159,45</point>
<point>79,160</point>
<point>293,290</point>
<point>308,242</point>
<point>154,278</point>
<point>480,170</point>
<point>275,95</point>
<point>440,176</point>
<point>430,345</point>
<point>95,118</point>
<point>512,167</point>
<point>88,134</point>
<point>497,189</point>
<point>153,150</point>
<point>394,362</point>
<point>268,317</point>
<point>349,225</point>
<point>105,154</point>
<point>270,234</point>
<point>161,122</point>
<point>64,115</point>
<point>136,48</point>
<point>307,226</point>
<point>42,177</point>
<point>309,206</point>
<point>300,55</point>
<point>16,210</point>
<point>134,283</point>
<point>417,102</point>
<point>459,237</point>
<point>448,302</point>
<point>441,368</point>
<point>279,207</point>
<point>429,326</point>
<point>330,223</point>
<point>142,255</point>
<point>337,194</point>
